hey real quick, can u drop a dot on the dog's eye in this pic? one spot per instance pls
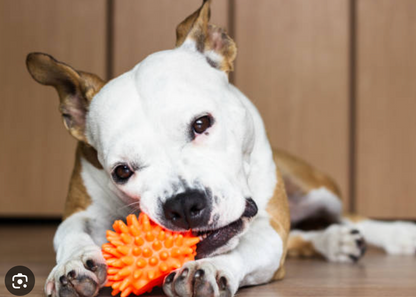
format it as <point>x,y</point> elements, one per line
<point>201,125</point>
<point>122,173</point>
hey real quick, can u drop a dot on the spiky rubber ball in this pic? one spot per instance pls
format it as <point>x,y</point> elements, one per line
<point>140,254</point>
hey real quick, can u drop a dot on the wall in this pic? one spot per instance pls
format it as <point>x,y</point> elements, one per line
<point>334,80</point>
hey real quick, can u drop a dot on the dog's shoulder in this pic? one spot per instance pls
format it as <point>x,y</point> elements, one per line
<point>78,198</point>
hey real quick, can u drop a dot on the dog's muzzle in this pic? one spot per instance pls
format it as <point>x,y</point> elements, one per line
<point>212,240</point>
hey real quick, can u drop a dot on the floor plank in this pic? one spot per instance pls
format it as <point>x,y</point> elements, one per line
<point>376,275</point>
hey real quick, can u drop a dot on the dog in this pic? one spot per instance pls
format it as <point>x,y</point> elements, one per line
<point>174,139</point>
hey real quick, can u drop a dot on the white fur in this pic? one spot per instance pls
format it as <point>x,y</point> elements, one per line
<point>143,118</point>
<point>396,238</point>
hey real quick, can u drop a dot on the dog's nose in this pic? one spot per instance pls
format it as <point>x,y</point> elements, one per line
<point>187,210</point>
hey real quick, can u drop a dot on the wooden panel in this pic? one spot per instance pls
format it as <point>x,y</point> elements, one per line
<point>293,64</point>
<point>386,108</point>
<point>144,27</point>
<point>36,152</point>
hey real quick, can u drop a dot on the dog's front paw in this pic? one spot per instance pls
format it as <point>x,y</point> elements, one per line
<point>399,238</point>
<point>198,278</point>
<point>340,243</point>
<point>83,274</point>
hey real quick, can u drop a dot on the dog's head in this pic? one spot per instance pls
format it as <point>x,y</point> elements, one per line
<point>171,133</point>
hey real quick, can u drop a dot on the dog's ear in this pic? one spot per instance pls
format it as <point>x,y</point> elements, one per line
<point>219,49</point>
<point>75,89</point>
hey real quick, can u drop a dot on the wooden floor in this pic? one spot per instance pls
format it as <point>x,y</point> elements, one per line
<point>376,275</point>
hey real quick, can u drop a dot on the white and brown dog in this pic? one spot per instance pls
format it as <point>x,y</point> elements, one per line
<point>174,139</point>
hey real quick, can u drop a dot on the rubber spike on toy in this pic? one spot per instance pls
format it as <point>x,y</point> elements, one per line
<point>141,253</point>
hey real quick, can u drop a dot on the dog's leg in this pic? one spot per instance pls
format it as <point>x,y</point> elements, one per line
<point>313,195</point>
<point>397,238</point>
<point>81,268</point>
<point>337,243</point>
<point>314,200</point>
<point>254,261</point>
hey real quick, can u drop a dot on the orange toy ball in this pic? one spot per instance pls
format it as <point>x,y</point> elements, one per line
<point>140,254</point>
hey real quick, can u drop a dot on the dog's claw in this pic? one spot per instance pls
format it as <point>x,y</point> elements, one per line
<point>197,279</point>
<point>222,283</point>
<point>169,278</point>
<point>63,280</point>
<point>71,275</point>
<point>90,264</point>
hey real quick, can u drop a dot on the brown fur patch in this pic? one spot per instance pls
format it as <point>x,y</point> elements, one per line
<point>355,218</point>
<point>90,154</point>
<point>218,41</point>
<point>278,209</point>
<point>183,29</point>
<point>302,177</point>
<point>298,247</point>
<point>78,199</point>
<point>293,189</point>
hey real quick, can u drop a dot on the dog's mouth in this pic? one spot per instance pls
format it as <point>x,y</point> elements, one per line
<point>212,240</point>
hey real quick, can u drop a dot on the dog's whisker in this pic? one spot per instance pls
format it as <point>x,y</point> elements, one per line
<point>129,206</point>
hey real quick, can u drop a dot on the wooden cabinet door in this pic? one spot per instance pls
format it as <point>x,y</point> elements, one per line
<point>293,63</point>
<point>144,27</point>
<point>36,152</point>
<point>386,108</point>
